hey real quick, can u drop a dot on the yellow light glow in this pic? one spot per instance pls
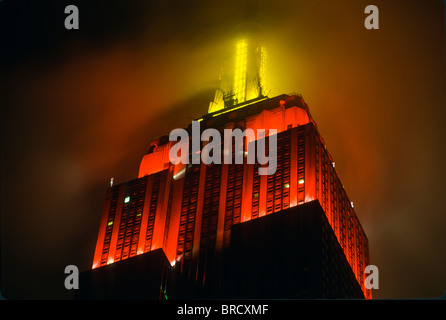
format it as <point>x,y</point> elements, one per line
<point>240,71</point>
<point>262,68</point>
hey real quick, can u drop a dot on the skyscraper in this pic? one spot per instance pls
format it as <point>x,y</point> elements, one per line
<point>189,211</point>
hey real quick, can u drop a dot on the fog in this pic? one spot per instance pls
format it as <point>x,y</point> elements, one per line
<point>81,106</point>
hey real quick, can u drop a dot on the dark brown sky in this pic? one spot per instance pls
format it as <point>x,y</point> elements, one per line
<point>81,106</point>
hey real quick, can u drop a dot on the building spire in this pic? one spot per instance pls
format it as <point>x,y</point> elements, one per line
<point>243,78</point>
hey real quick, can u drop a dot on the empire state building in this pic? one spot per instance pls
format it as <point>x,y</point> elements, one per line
<point>222,230</point>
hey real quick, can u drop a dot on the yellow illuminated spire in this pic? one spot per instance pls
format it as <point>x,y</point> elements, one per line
<point>239,88</point>
<point>244,78</point>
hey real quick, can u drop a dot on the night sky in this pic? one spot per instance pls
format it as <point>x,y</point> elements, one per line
<point>81,106</point>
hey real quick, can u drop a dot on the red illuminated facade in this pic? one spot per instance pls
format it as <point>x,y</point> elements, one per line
<point>188,210</point>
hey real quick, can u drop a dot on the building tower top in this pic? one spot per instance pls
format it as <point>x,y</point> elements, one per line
<point>243,76</point>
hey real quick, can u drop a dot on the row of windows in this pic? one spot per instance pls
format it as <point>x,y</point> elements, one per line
<point>233,200</point>
<point>131,211</point>
<point>278,184</point>
<point>301,164</point>
<point>130,221</point>
<point>209,220</point>
<point>109,227</point>
<point>188,212</point>
<point>152,212</point>
<point>210,206</point>
<point>339,211</point>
